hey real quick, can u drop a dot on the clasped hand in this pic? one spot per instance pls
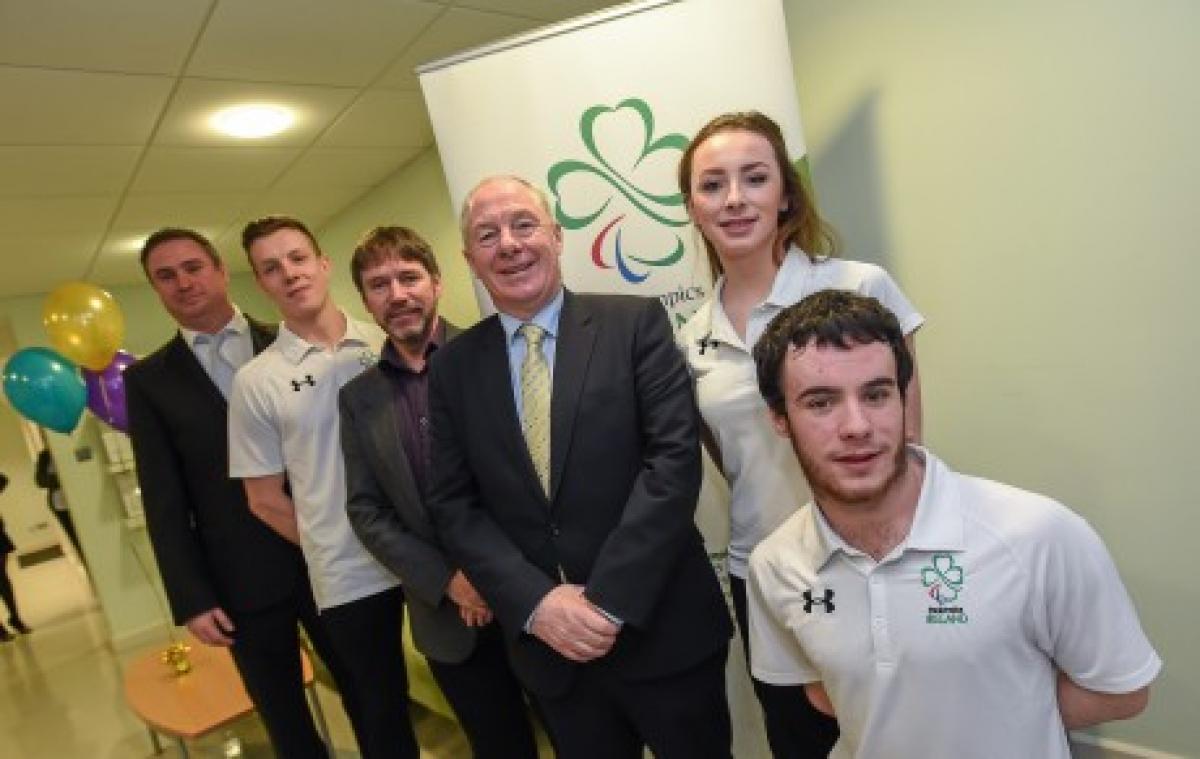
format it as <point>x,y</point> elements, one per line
<point>473,610</point>
<point>572,625</point>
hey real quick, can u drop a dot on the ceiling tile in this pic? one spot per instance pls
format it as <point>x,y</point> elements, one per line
<point>31,217</point>
<point>382,118</point>
<point>205,170</point>
<point>308,41</point>
<point>133,36</point>
<point>186,122</point>
<point>546,10</point>
<point>346,167</point>
<point>43,107</point>
<point>194,211</point>
<point>39,170</point>
<point>313,207</point>
<point>457,30</point>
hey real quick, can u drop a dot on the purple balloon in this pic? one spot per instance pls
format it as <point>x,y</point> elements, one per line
<point>106,391</point>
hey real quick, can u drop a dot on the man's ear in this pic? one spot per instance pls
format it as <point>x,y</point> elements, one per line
<point>780,423</point>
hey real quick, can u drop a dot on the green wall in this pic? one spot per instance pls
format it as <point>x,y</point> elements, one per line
<point>1029,172</point>
<point>415,197</point>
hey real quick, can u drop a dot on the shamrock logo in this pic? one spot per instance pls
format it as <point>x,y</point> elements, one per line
<point>633,184</point>
<point>944,579</point>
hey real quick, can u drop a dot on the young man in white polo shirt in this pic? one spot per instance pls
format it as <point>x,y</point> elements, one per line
<point>284,444</point>
<point>935,614</point>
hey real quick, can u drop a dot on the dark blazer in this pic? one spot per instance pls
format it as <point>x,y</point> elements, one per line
<point>211,550</point>
<point>389,517</point>
<point>624,479</point>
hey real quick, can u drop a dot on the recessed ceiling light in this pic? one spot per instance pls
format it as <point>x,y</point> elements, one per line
<point>252,121</point>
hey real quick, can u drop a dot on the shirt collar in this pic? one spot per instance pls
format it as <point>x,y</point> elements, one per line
<point>937,524</point>
<point>719,326</point>
<point>547,319</point>
<point>238,325</point>
<point>789,280</point>
<point>294,348</point>
<point>390,358</point>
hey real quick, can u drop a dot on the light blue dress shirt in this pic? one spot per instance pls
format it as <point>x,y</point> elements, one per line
<point>547,319</point>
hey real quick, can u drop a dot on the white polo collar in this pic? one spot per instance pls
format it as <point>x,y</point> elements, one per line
<point>938,524</point>
<point>793,273</point>
<point>294,348</point>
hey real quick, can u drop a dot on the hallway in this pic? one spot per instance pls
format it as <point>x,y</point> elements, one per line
<point>61,692</point>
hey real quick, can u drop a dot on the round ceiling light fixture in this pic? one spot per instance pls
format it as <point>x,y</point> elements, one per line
<point>252,121</point>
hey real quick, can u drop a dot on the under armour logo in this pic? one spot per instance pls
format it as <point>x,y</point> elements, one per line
<point>826,601</point>
<point>308,380</point>
<point>707,342</point>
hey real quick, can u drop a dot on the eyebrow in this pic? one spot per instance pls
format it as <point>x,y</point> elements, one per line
<point>743,167</point>
<point>878,382</point>
<point>179,265</point>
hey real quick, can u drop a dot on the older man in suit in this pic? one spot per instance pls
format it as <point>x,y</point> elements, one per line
<point>566,466</point>
<point>385,439</point>
<point>229,578</point>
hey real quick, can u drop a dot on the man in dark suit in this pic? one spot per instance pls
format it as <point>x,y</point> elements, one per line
<point>385,441</point>
<point>566,466</point>
<point>229,578</point>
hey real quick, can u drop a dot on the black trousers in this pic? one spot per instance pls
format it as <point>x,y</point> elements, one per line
<point>266,651</point>
<point>6,589</point>
<point>605,715</point>
<point>68,527</point>
<point>795,729</point>
<point>488,700</point>
<point>366,634</point>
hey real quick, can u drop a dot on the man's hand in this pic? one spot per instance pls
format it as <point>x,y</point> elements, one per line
<point>471,606</point>
<point>212,627</point>
<point>572,626</point>
<point>819,698</point>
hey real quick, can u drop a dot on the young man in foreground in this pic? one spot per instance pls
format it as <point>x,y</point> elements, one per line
<point>933,613</point>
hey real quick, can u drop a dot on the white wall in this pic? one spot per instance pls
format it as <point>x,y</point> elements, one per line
<point>1029,171</point>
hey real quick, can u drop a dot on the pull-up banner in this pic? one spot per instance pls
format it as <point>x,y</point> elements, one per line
<point>597,111</point>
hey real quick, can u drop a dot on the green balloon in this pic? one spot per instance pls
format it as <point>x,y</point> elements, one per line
<point>45,388</point>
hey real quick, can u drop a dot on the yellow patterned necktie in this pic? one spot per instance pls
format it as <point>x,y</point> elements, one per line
<point>535,402</point>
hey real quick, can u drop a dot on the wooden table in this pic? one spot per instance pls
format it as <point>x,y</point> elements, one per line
<point>188,706</point>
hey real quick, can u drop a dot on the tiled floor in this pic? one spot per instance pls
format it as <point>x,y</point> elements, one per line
<point>61,693</point>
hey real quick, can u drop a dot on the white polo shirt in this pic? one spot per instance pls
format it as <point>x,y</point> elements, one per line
<point>283,417</point>
<point>765,481</point>
<point>949,646</point>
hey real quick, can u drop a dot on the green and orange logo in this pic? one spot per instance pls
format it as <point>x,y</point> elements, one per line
<point>630,177</point>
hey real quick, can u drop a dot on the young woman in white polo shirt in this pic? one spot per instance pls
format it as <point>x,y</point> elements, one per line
<point>769,249</point>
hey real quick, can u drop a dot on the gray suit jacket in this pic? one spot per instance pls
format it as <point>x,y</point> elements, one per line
<point>389,518</point>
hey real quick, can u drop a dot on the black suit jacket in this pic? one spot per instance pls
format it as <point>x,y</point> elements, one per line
<point>624,479</point>
<point>389,517</point>
<point>211,550</point>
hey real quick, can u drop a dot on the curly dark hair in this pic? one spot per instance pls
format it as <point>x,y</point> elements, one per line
<point>840,318</point>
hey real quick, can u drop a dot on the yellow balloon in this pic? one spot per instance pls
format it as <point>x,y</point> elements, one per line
<point>84,323</point>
